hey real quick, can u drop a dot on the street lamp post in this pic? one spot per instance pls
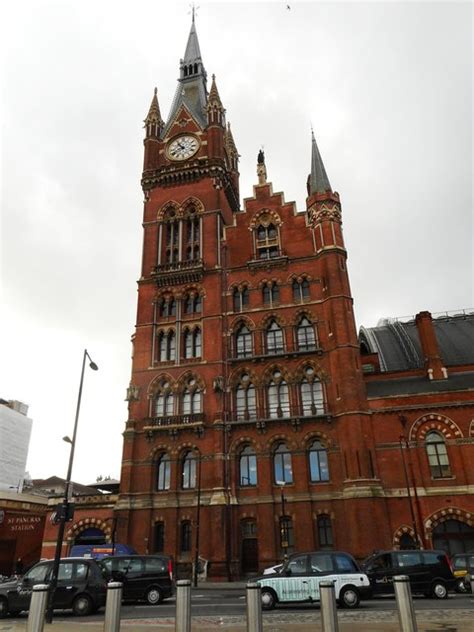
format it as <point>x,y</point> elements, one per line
<point>63,514</point>
<point>404,444</point>
<point>283,524</point>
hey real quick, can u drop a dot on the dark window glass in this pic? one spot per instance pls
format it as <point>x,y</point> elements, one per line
<point>245,297</point>
<point>318,462</point>
<point>305,335</point>
<point>324,528</point>
<point>437,455</point>
<point>243,342</point>
<point>345,564</point>
<point>321,563</point>
<point>185,540</point>
<point>408,559</point>
<point>298,565</point>
<point>274,336</point>
<point>159,537</point>
<point>189,471</point>
<point>155,565</point>
<point>245,400</point>
<point>287,540</point>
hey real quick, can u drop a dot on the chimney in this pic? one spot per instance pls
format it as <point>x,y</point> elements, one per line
<point>429,345</point>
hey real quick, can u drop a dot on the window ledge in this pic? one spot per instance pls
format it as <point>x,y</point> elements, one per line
<point>274,262</point>
<point>443,478</point>
<point>282,354</point>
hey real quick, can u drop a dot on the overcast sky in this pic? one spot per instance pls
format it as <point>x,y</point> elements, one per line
<point>386,86</point>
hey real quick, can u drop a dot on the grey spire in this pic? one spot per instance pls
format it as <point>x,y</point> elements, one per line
<point>318,180</point>
<point>192,87</point>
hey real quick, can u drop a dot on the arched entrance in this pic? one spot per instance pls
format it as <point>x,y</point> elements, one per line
<point>453,536</point>
<point>92,535</point>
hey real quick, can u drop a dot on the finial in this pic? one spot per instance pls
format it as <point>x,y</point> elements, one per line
<point>213,77</point>
<point>156,91</point>
<point>261,168</point>
<point>261,157</point>
<point>194,9</point>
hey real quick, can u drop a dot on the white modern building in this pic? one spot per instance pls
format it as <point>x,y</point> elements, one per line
<point>15,433</point>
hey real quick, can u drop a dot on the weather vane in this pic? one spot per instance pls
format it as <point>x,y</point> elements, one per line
<point>194,10</point>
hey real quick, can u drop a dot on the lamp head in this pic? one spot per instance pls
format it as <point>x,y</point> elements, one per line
<point>67,439</point>
<point>93,366</point>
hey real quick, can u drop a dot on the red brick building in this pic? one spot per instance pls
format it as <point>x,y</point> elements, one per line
<point>256,416</point>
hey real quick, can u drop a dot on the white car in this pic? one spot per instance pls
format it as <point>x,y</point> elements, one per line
<point>299,577</point>
<point>272,569</point>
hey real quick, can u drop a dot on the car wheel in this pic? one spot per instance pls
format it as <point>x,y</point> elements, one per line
<point>82,605</point>
<point>268,599</point>
<point>349,597</point>
<point>3,607</point>
<point>439,590</point>
<point>154,596</point>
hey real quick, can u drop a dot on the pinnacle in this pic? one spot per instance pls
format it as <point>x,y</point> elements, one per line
<point>318,180</point>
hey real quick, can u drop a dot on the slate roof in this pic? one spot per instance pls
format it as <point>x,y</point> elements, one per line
<point>398,344</point>
<point>318,180</point>
<point>420,385</point>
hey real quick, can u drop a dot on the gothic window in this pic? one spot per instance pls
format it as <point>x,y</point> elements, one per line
<point>192,235</point>
<point>188,473</point>
<point>282,467</point>
<point>159,537</point>
<point>245,399</point>
<point>192,343</point>
<point>192,304</point>
<point>300,290</point>
<point>248,467</point>
<point>240,299</point>
<point>267,242</point>
<point>192,398</point>
<point>164,400</point>
<point>185,537</point>
<point>243,342</point>
<point>271,294</point>
<point>172,239</point>
<point>437,455</point>
<point>318,462</point>
<point>274,338</point>
<point>163,473</point>
<point>167,307</point>
<point>167,346</point>
<point>312,398</point>
<point>278,397</point>
<point>305,335</point>
<point>324,530</point>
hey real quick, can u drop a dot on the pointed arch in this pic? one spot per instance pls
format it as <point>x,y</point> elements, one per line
<point>433,421</point>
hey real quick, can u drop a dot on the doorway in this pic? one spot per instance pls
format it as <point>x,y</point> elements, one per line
<point>249,547</point>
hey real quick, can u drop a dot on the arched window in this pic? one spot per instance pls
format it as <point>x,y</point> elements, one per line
<point>248,467</point>
<point>282,467</point>
<point>305,335</point>
<point>274,338</point>
<point>271,294</point>
<point>300,290</point>
<point>185,537</point>
<point>167,346</point>
<point>172,241</point>
<point>192,236</point>
<point>192,343</point>
<point>278,397</point>
<point>167,307</point>
<point>164,400</point>
<point>163,473</point>
<point>192,398</point>
<point>192,304</point>
<point>312,397</point>
<point>188,474</point>
<point>245,399</point>
<point>324,530</point>
<point>240,299</point>
<point>267,242</point>
<point>453,536</point>
<point>407,542</point>
<point>318,462</point>
<point>243,342</point>
<point>437,455</point>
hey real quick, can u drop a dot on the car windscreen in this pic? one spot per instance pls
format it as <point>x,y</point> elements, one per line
<point>37,573</point>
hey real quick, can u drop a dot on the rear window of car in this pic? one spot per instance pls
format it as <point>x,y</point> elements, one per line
<point>345,564</point>
<point>408,558</point>
<point>129,565</point>
<point>155,565</point>
<point>432,559</point>
<point>72,570</point>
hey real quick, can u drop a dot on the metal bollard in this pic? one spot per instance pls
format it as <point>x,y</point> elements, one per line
<point>112,607</point>
<point>37,610</point>
<point>472,584</point>
<point>406,611</point>
<point>254,608</point>
<point>327,597</point>
<point>183,606</point>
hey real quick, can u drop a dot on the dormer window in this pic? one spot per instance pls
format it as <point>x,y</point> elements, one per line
<point>267,242</point>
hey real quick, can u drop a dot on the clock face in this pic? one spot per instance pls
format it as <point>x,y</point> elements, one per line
<point>182,147</point>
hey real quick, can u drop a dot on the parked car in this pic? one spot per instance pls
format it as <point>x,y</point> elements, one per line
<point>145,577</point>
<point>272,569</point>
<point>463,569</point>
<point>430,572</point>
<point>299,579</point>
<point>81,587</point>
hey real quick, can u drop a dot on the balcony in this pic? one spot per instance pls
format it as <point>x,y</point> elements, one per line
<point>178,272</point>
<point>172,424</point>
<point>249,356</point>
